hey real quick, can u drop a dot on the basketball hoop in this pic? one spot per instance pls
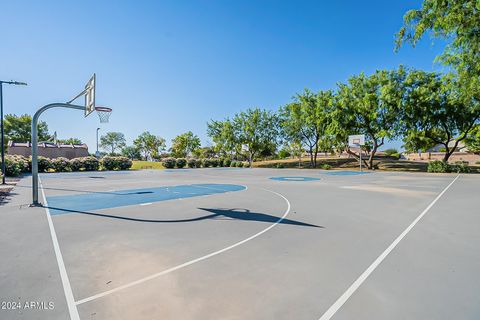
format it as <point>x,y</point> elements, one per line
<point>103,113</point>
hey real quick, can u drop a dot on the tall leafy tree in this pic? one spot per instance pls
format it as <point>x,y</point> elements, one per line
<point>149,145</point>
<point>223,136</point>
<point>307,119</point>
<point>437,111</point>
<point>19,129</point>
<point>112,141</point>
<point>131,152</point>
<point>456,21</point>
<point>256,129</point>
<point>185,144</point>
<point>370,105</point>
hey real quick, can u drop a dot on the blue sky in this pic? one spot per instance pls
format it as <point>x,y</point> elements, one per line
<point>170,66</point>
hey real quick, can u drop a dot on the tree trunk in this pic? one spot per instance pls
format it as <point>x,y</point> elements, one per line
<point>357,157</point>
<point>315,157</point>
<point>311,156</point>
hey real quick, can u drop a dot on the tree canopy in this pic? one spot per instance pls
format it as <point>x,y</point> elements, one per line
<point>436,112</point>
<point>19,129</point>
<point>149,145</point>
<point>112,141</point>
<point>369,105</point>
<point>307,118</point>
<point>70,141</point>
<point>185,144</point>
<point>255,129</point>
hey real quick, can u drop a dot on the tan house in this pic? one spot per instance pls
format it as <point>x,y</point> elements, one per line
<point>48,150</point>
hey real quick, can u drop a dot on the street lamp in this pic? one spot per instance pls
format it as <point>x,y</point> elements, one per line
<point>97,154</point>
<point>1,121</point>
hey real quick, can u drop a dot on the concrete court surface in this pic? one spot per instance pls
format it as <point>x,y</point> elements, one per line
<point>236,244</point>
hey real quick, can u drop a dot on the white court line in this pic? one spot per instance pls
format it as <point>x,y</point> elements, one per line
<point>145,204</point>
<point>188,263</point>
<point>67,289</point>
<point>347,294</point>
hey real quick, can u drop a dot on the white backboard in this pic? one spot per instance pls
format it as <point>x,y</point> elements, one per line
<point>90,96</point>
<point>356,140</point>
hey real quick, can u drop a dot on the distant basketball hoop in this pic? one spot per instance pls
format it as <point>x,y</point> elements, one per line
<point>103,113</point>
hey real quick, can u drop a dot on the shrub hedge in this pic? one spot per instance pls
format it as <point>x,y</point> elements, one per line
<point>169,163</point>
<point>61,164</point>
<point>115,163</point>
<point>15,164</point>
<point>192,163</point>
<point>181,163</point>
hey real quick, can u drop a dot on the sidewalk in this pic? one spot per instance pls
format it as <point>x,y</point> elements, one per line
<point>30,284</point>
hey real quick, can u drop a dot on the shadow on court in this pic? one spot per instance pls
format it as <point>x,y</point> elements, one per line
<point>216,214</point>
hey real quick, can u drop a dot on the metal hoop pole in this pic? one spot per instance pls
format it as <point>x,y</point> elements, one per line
<point>35,144</point>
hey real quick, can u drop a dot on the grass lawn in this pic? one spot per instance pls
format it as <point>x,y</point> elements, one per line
<point>138,165</point>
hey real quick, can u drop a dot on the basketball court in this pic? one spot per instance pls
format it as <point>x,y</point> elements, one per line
<point>247,244</point>
<point>231,243</point>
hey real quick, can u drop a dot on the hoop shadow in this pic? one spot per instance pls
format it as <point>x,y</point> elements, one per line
<point>216,214</point>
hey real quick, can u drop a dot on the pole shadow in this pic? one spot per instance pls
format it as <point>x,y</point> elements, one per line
<point>215,214</point>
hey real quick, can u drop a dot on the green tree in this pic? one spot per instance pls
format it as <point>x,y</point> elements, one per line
<point>112,141</point>
<point>131,152</point>
<point>70,141</point>
<point>185,144</point>
<point>256,129</point>
<point>19,129</point>
<point>456,21</point>
<point>369,105</point>
<point>473,140</point>
<point>307,119</point>
<point>223,135</point>
<point>437,111</point>
<point>149,145</point>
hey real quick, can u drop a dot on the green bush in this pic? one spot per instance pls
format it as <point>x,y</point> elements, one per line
<point>181,162</point>
<point>116,163</point>
<point>326,166</point>
<point>283,154</point>
<point>24,163</point>
<point>61,164</point>
<point>396,155</point>
<point>460,167</point>
<point>390,152</point>
<point>478,162</point>
<point>245,164</point>
<point>124,163</point>
<point>207,163</point>
<point>227,162</point>
<point>44,164</point>
<point>76,164</point>
<point>438,166</point>
<point>192,163</point>
<point>214,162</point>
<point>169,163</point>
<point>233,164</point>
<point>221,162</point>
<point>280,165</point>
<point>90,163</point>
<point>198,163</point>
<point>12,167</point>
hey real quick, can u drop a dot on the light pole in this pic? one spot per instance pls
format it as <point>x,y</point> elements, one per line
<point>97,153</point>
<point>1,116</point>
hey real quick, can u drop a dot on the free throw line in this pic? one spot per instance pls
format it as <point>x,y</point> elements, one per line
<point>347,294</point>
<point>67,289</point>
<point>188,263</point>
